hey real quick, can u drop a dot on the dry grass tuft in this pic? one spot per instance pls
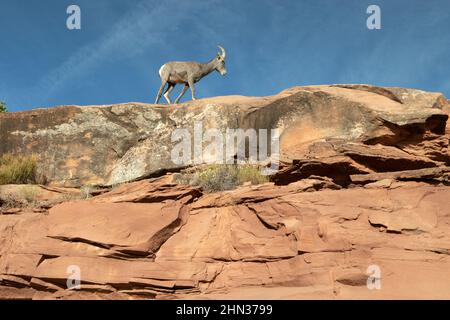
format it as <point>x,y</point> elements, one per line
<point>220,177</point>
<point>17,169</point>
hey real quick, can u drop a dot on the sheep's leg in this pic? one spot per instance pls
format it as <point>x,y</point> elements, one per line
<point>158,97</point>
<point>186,86</point>
<point>192,86</point>
<point>168,91</point>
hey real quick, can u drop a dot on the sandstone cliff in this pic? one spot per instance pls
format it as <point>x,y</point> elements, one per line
<point>364,182</point>
<point>106,145</point>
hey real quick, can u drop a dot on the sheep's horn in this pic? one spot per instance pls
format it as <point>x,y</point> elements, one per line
<point>224,54</point>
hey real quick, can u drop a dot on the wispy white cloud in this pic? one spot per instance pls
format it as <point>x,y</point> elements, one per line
<point>270,46</point>
<point>146,25</point>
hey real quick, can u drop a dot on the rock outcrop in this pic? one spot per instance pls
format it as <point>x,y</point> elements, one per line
<point>363,186</point>
<point>358,129</point>
<point>308,239</point>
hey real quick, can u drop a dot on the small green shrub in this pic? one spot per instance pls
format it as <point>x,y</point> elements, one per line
<point>16,169</point>
<point>220,177</point>
<point>3,107</point>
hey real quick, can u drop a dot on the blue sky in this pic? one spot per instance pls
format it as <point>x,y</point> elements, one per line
<point>271,44</point>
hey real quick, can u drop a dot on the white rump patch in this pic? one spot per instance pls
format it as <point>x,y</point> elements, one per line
<point>161,69</point>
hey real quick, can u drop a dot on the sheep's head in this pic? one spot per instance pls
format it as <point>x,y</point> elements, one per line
<point>220,61</point>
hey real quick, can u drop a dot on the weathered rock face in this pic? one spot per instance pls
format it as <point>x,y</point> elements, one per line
<point>364,186</point>
<point>308,239</point>
<point>106,145</point>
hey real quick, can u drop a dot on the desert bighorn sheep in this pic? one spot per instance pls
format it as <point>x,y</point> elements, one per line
<point>188,73</point>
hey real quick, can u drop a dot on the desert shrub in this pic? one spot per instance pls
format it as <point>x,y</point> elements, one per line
<point>251,173</point>
<point>216,178</point>
<point>29,193</point>
<point>21,197</point>
<point>220,177</point>
<point>3,107</point>
<point>16,169</point>
<point>9,201</point>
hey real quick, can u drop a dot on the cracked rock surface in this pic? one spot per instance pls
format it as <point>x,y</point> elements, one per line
<point>307,239</point>
<point>366,186</point>
<point>336,125</point>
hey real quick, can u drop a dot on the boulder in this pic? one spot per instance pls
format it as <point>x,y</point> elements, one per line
<point>113,144</point>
